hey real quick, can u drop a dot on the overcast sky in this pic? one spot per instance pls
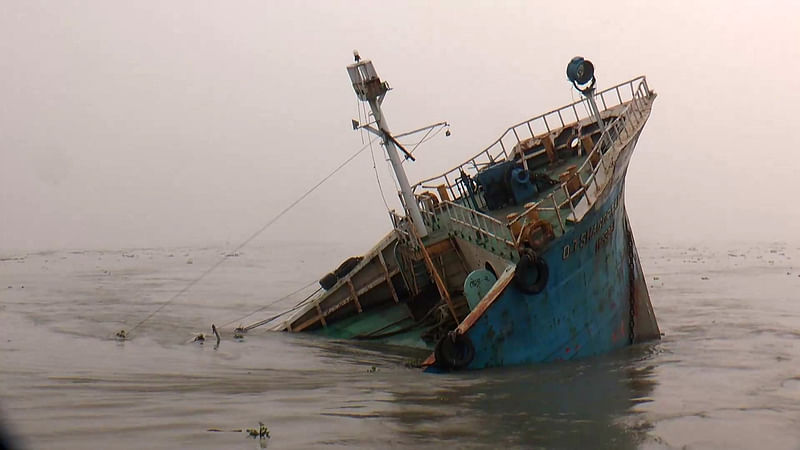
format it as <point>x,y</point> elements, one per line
<point>151,123</point>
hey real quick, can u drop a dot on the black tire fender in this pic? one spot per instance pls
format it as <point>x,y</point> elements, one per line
<point>531,273</point>
<point>348,265</point>
<point>328,281</point>
<point>454,351</point>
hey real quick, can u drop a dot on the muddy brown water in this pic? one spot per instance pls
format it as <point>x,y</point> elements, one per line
<point>726,374</point>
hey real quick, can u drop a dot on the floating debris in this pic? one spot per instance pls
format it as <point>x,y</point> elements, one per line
<point>216,333</point>
<point>121,335</point>
<point>704,278</point>
<point>199,338</point>
<point>414,363</point>
<point>189,261</point>
<point>262,431</point>
<point>372,369</point>
<point>656,278</point>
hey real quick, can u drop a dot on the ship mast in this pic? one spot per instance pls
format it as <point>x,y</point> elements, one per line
<point>369,88</point>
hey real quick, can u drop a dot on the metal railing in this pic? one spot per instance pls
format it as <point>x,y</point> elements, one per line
<point>401,226</point>
<point>594,174</point>
<point>502,148</point>
<point>477,227</point>
<point>598,168</point>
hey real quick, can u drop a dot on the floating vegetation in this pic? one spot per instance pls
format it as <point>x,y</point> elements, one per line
<point>121,335</point>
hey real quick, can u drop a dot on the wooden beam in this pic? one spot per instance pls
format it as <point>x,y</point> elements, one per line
<point>353,295</point>
<point>305,324</point>
<point>440,247</point>
<point>388,278</point>
<point>320,316</point>
<point>369,286</point>
<point>549,148</point>
<point>435,274</point>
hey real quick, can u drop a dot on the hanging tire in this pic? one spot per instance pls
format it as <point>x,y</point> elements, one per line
<point>348,265</point>
<point>328,281</point>
<point>454,351</point>
<point>531,273</point>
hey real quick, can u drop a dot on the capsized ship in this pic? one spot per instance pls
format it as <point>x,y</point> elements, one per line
<point>521,254</point>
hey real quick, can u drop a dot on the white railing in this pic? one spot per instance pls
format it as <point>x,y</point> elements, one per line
<point>471,223</point>
<point>598,168</point>
<point>594,174</point>
<point>402,228</point>
<point>502,148</point>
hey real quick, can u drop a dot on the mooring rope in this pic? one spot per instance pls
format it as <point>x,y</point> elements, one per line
<point>252,236</point>
<point>261,308</point>
<point>302,303</point>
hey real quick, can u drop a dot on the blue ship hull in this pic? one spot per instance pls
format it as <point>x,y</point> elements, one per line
<point>588,307</point>
<point>595,300</point>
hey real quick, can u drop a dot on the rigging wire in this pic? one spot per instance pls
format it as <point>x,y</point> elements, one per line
<point>425,139</point>
<point>584,101</point>
<point>360,129</point>
<point>378,178</point>
<point>302,303</point>
<point>277,301</point>
<point>253,236</point>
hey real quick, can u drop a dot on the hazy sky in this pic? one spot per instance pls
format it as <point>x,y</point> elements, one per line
<point>155,123</point>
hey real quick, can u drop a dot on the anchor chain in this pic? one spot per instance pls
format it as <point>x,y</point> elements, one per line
<point>631,282</point>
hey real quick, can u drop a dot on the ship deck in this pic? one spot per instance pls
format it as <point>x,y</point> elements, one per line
<point>547,213</point>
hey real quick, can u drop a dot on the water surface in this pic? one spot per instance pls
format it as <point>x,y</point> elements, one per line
<point>726,374</point>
